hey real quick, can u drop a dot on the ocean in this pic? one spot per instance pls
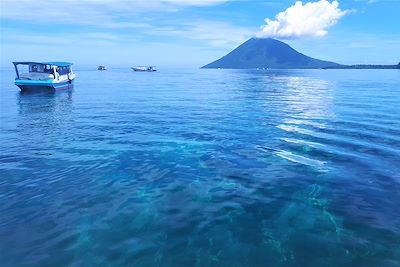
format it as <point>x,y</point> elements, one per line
<point>203,168</point>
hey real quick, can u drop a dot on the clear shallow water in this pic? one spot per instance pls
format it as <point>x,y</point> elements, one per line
<point>203,168</point>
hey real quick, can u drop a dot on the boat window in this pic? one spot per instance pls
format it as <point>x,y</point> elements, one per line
<point>48,69</point>
<point>63,70</point>
<point>23,68</point>
<point>37,68</point>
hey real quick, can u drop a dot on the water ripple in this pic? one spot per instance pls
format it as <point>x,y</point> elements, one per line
<point>203,168</point>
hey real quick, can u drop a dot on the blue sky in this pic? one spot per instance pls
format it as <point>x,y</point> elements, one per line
<point>191,33</point>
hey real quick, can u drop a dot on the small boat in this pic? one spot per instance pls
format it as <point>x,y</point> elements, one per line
<point>47,76</point>
<point>144,68</point>
<point>101,68</point>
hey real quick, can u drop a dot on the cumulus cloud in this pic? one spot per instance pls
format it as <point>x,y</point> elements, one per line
<point>303,20</point>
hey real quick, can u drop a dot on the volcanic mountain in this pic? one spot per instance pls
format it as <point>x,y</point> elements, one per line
<point>268,53</point>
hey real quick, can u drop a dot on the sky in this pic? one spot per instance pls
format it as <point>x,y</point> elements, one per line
<point>192,33</point>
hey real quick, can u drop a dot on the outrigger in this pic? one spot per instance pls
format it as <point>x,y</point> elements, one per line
<point>37,76</point>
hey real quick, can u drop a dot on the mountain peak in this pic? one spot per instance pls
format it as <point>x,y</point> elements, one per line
<point>267,53</point>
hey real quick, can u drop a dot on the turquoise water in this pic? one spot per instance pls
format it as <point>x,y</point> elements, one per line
<point>203,168</point>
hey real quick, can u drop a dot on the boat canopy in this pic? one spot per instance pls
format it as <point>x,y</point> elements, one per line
<point>62,68</point>
<point>58,64</point>
<point>146,66</point>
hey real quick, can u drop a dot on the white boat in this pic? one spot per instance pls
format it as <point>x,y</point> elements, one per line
<point>43,75</point>
<point>144,68</point>
<point>102,68</point>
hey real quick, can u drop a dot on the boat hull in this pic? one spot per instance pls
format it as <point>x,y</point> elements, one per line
<point>37,86</point>
<point>143,70</point>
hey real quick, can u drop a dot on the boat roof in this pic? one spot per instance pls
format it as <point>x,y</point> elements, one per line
<point>55,63</point>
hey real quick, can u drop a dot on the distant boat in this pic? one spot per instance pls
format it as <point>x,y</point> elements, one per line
<point>144,68</point>
<point>33,76</point>
<point>101,68</point>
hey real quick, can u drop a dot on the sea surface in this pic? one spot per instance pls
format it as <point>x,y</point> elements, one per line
<point>276,168</point>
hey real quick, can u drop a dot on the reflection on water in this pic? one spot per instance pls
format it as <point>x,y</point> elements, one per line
<point>47,102</point>
<point>307,98</point>
<point>44,118</point>
<point>205,168</point>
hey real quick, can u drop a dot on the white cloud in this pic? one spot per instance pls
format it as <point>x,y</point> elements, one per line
<point>194,2</point>
<point>303,20</point>
<point>101,14</point>
<point>214,33</point>
<point>22,9</point>
<point>122,18</point>
<point>377,1</point>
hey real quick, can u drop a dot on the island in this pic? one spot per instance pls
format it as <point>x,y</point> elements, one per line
<point>268,53</point>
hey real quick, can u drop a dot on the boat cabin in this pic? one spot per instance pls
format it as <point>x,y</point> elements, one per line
<point>145,68</point>
<point>41,70</point>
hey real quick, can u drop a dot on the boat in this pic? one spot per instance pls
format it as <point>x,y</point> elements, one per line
<point>47,76</point>
<point>101,68</point>
<point>145,68</point>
